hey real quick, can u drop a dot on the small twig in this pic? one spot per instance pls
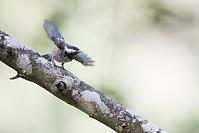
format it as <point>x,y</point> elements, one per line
<point>16,77</point>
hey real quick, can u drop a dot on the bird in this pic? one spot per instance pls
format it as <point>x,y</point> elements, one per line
<point>63,52</point>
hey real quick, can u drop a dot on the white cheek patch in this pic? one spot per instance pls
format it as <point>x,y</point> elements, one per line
<point>69,50</point>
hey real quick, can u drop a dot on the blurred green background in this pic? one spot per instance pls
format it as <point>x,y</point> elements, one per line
<point>146,55</point>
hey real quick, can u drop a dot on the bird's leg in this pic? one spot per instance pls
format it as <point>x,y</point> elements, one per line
<point>62,64</point>
<point>52,60</point>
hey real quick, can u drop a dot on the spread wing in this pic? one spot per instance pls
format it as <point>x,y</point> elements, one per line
<point>84,59</point>
<point>54,34</point>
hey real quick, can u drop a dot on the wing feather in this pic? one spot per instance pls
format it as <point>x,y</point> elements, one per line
<point>84,59</point>
<point>54,34</point>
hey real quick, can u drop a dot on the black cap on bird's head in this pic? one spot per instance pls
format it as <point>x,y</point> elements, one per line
<point>71,50</point>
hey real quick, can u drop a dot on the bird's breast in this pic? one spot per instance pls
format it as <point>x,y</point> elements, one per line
<point>61,56</point>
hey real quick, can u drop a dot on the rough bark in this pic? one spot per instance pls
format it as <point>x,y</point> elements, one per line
<point>67,87</point>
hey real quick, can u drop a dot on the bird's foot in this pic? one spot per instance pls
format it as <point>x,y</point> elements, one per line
<point>62,65</point>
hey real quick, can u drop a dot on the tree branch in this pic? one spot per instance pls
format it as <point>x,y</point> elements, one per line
<point>67,87</point>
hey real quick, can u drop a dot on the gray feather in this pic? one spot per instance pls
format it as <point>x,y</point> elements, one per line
<point>84,59</point>
<point>53,33</point>
<point>47,57</point>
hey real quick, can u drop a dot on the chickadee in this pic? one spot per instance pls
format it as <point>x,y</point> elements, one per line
<point>63,52</point>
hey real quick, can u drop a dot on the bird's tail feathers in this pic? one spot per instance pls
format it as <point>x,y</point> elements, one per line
<point>47,57</point>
